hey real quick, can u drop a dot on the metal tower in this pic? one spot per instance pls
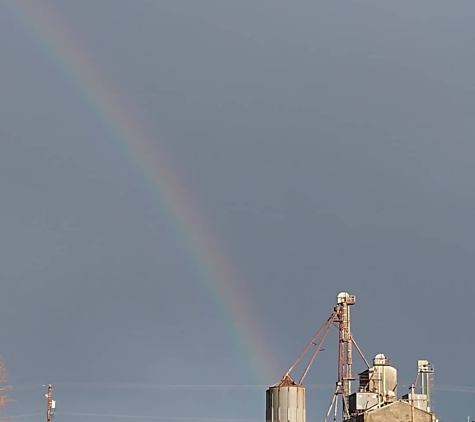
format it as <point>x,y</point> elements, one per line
<point>287,390</point>
<point>50,404</point>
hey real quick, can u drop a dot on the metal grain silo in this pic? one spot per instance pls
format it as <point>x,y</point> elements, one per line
<point>285,402</point>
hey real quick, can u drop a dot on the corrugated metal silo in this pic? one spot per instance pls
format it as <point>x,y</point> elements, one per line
<point>285,402</point>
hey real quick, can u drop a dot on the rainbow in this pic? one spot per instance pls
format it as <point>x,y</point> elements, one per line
<point>216,272</point>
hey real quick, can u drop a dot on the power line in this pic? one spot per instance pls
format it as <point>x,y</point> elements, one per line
<point>178,418</point>
<point>171,418</point>
<point>454,388</point>
<point>153,386</point>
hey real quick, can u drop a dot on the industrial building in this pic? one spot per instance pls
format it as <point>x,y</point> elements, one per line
<point>375,398</point>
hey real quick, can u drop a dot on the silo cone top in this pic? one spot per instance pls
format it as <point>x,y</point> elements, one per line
<point>286,381</point>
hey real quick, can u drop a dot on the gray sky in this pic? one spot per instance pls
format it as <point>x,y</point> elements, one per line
<point>328,147</point>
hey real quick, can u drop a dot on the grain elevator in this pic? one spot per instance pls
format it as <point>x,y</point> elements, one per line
<point>374,399</point>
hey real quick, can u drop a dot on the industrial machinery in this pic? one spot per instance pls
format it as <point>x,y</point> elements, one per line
<point>425,373</point>
<point>377,386</point>
<point>285,401</point>
<point>376,397</point>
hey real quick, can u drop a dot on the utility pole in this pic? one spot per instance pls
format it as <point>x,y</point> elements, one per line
<point>50,404</point>
<point>412,403</point>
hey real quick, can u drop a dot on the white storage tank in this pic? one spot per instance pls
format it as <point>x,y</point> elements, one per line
<point>285,402</point>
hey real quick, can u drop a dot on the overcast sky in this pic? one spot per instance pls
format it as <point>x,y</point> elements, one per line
<point>327,146</point>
